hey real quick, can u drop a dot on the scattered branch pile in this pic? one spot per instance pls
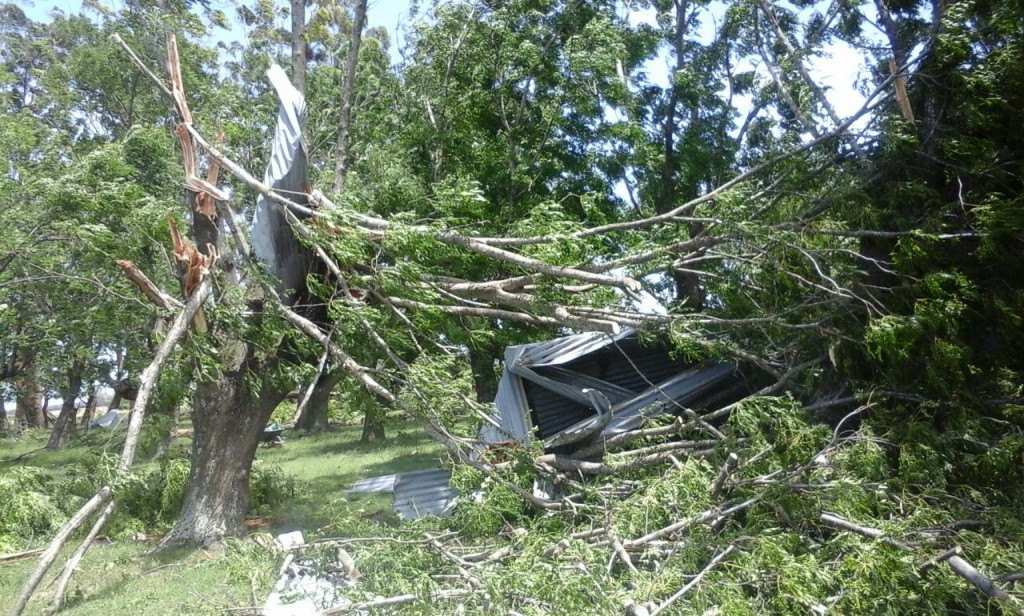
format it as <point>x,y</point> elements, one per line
<point>715,533</point>
<point>748,506</point>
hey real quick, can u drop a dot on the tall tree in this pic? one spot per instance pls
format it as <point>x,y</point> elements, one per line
<point>231,407</point>
<point>348,93</point>
<point>298,41</point>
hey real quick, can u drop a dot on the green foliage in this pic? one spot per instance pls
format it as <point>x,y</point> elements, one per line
<point>885,261</point>
<point>31,511</point>
<point>269,487</point>
<point>785,561</point>
<point>487,505</point>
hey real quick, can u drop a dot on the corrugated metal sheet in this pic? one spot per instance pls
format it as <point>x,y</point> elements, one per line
<point>287,172</point>
<point>570,389</point>
<point>384,483</point>
<point>286,150</point>
<point>567,392</point>
<point>421,493</point>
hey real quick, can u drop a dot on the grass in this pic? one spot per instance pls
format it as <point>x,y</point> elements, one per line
<point>325,464</point>
<point>115,578</point>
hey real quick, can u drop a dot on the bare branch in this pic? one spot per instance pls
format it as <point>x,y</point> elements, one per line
<point>148,288</point>
<point>693,583</point>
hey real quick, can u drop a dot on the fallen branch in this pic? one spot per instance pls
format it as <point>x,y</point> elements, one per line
<point>50,555</point>
<point>621,552</point>
<point>609,444</point>
<point>445,237</point>
<point>871,533</point>
<point>723,475</point>
<point>951,557</point>
<point>72,563</point>
<point>440,595</point>
<point>346,362</point>
<point>950,553</point>
<point>967,571</point>
<point>147,384</point>
<point>566,464</point>
<point>674,446</point>
<point>705,426</point>
<point>692,583</point>
<point>488,557</point>
<point>671,529</point>
<point>19,556</point>
<point>461,566</point>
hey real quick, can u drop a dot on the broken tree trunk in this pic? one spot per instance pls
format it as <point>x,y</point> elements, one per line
<point>228,420</point>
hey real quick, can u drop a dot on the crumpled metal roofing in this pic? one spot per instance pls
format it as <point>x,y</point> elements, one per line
<point>287,173</point>
<point>578,387</point>
<point>567,392</point>
<point>417,493</point>
<point>427,492</point>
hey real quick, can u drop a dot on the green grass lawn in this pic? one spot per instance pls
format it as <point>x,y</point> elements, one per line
<point>115,578</point>
<point>326,464</point>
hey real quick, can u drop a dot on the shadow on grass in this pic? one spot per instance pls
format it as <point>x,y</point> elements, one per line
<point>327,463</point>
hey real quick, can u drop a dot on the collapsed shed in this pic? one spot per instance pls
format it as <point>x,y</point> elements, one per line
<point>572,391</point>
<point>569,391</point>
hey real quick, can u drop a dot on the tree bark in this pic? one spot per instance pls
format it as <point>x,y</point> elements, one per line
<point>314,417</point>
<point>299,45</point>
<point>228,419</point>
<point>485,378</point>
<point>67,409</point>
<point>689,293</point>
<point>348,94</point>
<point>373,423</point>
<point>90,410</point>
<point>29,401</point>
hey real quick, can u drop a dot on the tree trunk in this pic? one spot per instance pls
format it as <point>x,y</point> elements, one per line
<point>67,409</point>
<point>373,423</point>
<point>485,377</point>
<point>314,417</point>
<point>29,402</point>
<point>5,427</point>
<point>230,413</point>
<point>689,294</point>
<point>348,95</point>
<point>228,421</point>
<point>299,45</point>
<point>90,409</point>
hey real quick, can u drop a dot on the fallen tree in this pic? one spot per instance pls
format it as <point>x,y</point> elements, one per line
<point>788,303</point>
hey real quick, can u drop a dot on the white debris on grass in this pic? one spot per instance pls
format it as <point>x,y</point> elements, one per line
<point>302,589</point>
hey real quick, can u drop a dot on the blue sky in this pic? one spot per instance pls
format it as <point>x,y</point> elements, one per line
<point>387,13</point>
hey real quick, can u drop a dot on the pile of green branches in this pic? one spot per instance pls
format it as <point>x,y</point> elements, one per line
<point>780,515</point>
